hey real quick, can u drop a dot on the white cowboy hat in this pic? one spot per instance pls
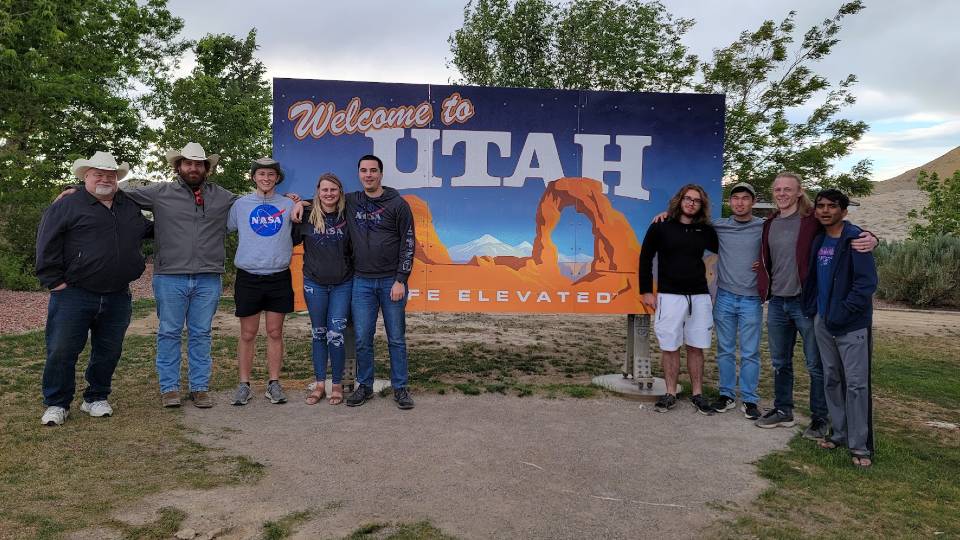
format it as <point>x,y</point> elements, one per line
<point>192,151</point>
<point>100,160</point>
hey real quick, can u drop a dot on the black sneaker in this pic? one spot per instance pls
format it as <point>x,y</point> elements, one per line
<point>750,411</point>
<point>665,403</point>
<point>775,418</point>
<point>403,399</point>
<point>724,404</point>
<point>361,395</point>
<point>818,429</point>
<point>701,404</point>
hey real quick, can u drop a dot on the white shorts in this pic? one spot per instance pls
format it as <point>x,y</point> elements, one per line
<point>683,318</point>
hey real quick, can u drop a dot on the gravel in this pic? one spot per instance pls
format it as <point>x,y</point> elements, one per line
<point>23,311</point>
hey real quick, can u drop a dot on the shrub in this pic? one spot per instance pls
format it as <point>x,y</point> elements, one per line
<point>16,273</point>
<point>942,214</point>
<point>923,273</point>
<point>20,212</point>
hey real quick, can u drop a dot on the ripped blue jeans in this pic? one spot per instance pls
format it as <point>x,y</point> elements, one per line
<point>329,307</point>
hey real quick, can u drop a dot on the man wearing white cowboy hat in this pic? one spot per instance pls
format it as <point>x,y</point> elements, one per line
<point>88,252</point>
<point>191,223</point>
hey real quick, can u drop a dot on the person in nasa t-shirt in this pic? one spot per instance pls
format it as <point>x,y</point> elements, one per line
<point>262,220</point>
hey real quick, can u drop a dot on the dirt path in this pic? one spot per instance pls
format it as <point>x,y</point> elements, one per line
<point>477,467</point>
<point>515,327</point>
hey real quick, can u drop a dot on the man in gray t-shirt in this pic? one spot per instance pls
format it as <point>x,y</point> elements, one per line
<point>738,309</point>
<point>784,232</point>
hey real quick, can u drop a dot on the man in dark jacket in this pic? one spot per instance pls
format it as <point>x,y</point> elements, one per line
<point>88,252</point>
<point>381,230</point>
<point>784,262</point>
<point>838,292</point>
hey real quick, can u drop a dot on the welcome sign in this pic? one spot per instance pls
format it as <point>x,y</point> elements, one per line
<point>524,200</point>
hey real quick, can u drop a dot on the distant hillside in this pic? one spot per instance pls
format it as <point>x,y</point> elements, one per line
<point>943,166</point>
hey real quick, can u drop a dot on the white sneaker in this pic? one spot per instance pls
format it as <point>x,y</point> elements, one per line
<point>97,408</point>
<point>54,416</point>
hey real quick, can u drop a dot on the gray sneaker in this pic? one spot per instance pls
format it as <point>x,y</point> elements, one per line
<point>818,429</point>
<point>242,395</point>
<point>275,393</point>
<point>775,418</point>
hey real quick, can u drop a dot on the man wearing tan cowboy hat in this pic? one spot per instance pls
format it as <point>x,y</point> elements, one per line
<point>88,252</point>
<point>191,223</point>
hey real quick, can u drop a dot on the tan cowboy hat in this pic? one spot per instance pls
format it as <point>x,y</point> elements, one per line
<point>192,151</point>
<point>100,160</point>
<point>267,163</point>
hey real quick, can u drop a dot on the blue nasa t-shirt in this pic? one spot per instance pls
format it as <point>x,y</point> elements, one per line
<point>263,225</point>
<point>825,271</point>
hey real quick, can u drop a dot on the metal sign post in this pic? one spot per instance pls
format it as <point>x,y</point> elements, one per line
<point>636,378</point>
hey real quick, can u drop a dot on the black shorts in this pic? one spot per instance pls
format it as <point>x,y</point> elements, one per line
<point>253,293</point>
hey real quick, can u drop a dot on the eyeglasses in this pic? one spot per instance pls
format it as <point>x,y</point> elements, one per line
<point>691,200</point>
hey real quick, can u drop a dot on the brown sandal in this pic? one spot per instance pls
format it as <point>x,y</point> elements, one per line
<point>863,462</point>
<point>314,397</point>
<point>826,444</point>
<point>336,394</point>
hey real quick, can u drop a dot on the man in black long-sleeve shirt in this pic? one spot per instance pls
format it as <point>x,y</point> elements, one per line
<point>684,313</point>
<point>88,252</point>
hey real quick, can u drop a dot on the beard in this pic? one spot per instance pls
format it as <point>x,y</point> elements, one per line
<point>193,179</point>
<point>104,190</point>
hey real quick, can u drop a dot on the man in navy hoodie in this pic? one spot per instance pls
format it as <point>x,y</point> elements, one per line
<point>839,292</point>
<point>381,230</point>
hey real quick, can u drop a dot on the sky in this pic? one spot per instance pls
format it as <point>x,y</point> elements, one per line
<point>903,52</point>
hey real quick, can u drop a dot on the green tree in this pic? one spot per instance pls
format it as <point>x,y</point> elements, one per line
<point>224,104</point>
<point>73,74</point>
<point>942,213</point>
<point>638,46</point>
<point>763,81</point>
<point>604,44</point>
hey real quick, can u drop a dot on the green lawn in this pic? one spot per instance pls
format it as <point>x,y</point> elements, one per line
<point>912,490</point>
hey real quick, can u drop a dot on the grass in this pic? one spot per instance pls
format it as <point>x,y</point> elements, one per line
<point>54,481</point>
<point>912,489</point>
<point>421,530</point>
<point>924,369</point>
<point>285,526</point>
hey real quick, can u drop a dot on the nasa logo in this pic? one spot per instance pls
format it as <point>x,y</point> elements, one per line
<point>266,220</point>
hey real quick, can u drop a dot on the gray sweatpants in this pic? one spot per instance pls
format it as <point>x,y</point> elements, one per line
<point>846,381</point>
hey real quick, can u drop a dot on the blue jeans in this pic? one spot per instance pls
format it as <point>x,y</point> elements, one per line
<point>71,314</point>
<point>190,298</point>
<point>329,307</point>
<point>784,318</point>
<point>370,296</point>
<point>733,315</point>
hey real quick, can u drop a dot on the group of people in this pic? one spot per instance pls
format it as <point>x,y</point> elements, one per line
<point>817,275</point>
<point>358,255</point>
<point>813,268</point>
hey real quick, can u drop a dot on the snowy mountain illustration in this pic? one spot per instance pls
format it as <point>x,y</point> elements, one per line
<point>572,266</point>
<point>490,246</point>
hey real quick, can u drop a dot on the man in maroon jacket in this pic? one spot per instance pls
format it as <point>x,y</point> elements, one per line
<point>784,262</point>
